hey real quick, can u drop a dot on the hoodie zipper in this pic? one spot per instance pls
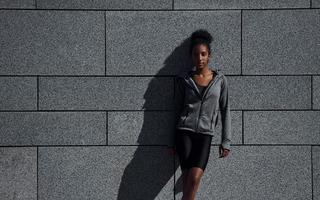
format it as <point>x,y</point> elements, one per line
<point>204,94</point>
<point>211,121</point>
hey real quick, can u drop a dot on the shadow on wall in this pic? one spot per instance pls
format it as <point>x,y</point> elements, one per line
<point>150,172</point>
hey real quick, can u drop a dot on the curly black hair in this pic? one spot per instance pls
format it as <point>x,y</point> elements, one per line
<point>200,36</point>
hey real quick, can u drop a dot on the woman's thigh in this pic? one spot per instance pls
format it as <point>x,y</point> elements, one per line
<point>200,151</point>
<point>184,145</point>
<point>193,149</point>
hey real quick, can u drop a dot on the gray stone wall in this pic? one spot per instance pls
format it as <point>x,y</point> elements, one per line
<point>86,98</point>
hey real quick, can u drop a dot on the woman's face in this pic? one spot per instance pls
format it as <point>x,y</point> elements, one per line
<point>200,56</point>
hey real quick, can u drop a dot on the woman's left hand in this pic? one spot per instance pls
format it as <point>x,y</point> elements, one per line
<point>172,151</point>
<point>223,152</point>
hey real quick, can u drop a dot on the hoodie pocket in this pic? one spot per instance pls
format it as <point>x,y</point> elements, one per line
<point>212,117</point>
<point>184,120</point>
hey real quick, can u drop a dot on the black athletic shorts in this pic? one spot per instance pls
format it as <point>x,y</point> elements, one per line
<point>193,149</point>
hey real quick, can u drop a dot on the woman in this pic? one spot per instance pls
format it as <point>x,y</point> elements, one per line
<point>199,95</point>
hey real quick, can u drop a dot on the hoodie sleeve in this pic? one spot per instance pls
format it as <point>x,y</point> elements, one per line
<point>179,94</point>
<point>225,114</point>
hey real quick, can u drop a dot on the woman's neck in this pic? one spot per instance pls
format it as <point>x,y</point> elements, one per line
<point>203,71</point>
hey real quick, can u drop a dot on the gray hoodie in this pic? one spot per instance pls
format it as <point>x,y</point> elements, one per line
<point>198,113</point>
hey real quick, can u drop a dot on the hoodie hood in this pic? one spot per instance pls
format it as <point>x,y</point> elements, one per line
<point>189,81</point>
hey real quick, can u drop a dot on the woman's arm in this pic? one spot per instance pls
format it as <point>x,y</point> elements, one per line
<point>225,114</point>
